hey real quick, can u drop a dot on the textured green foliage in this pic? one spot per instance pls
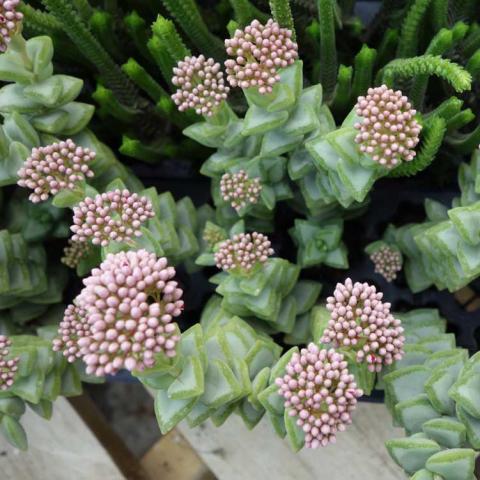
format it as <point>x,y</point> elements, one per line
<point>282,14</point>
<point>328,49</point>
<point>408,41</point>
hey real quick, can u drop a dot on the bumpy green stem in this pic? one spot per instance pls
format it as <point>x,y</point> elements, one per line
<point>473,65</point>
<point>407,46</point>
<point>283,14</point>
<point>472,42</point>
<point>102,26</point>
<point>363,71</point>
<point>187,14</point>
<point>167,33</point>
<point>387,47</point>
<point>460,120</point>
<point>439,12</point>
<point>40,22</point>
<point>92,50</point>
<point>136,149</point>
<point>143,80</point>
<point>328,49</point>
<point>405,68</point>
<point>439,44</point>
<point>136,27</point>
<point>109,104</point>
<point>245,12</point>
<point>447,109</point>
<point>343,92</point>
<point>164,61</point>
<point>433,134</point>
<point>84,9</point>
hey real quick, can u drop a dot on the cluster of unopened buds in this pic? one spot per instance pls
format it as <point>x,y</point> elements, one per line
<point>201,85</point>
<point>112,216</point>
<point>258,52</point>
<point>74,252</point>
<point>123,316</point>
<point>389,131</point>
<point>243,252</point>
<point>8,366</point>
<point>213,234</point>
<point>320,391</point>
<point>361,322</point>
<point>9,21</point>
<point>56,167</point>
<point>388,261</point>
<point>239,189</point>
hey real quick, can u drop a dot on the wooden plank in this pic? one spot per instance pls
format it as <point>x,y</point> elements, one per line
<point>172,458</point>
<point>234,453</point>
<point>61,448</point>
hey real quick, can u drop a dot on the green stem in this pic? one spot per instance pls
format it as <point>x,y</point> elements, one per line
<point>328,49</point>
<point>92,50</point>
<point>39,21</point>
<point>433,134</point>
<point>407,46</point>
<point>102,26</point>
<point>143,80</point>
<point>465,143</point>
<point>167,33</point>
<point>162,57</point>
<point>136,27</point>
<point>282,14</point>
<point>387,47</point>
<point>473,65</point>
<point>363,71</point>
<point>472,42</point>
<point>188,16</point>
<point>460,120</point>
<point>343,92</point>
<point>439,11</point>
<point>109,104</point>
<point>84,9</point>
<point>136,149</point>
<point>447,109</point>
<point>245,12</point>
<point>405,68</point>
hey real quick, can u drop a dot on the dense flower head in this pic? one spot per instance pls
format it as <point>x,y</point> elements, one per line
<point>243,252</point>
<point>200,85</point>
<point>258,52</point>
<point>389,131</point>
<point>239,189</point>
<point>320,391</point>
<point>73,253</point>
<point>123,316</point>
<point>9,21</point>
<point>8,366</point>
<point>388,261</point>
<point>360,321</point>
<point>56,167</point>
<point>111,216</point>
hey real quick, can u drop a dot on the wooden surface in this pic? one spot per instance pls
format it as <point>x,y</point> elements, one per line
<point>172,458</point>
<point>62,448</point>
<point>234,453</point>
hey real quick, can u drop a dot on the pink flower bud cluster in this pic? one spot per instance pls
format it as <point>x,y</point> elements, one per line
<point>360,321</point>
<point>74,252</point>
<point>9,20</point>
<point>258,52</point>
<point>8,367</point>
<point>387,261</point>
<point>239,189</point>
<point>112,216</point>
<point>200,85</point>
<point>56,167</point>
<point>320,391</point>
<point>243,252</point>
<point>123,316</point>
<point>389,131</point>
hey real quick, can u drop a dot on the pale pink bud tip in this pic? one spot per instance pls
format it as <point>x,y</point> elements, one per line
<point>240,190</point>
<point>361,322</point>
<point>8,365</point>
<point>243,252</point>
<point>321,392</point>
<point>200,85</point>
<point>122,318</point>
<point>258,52</point>
<point>389,131</point>
<point>388,261</point>
<point>54,168</point>
<point>9,22</point>
<point>116,215</point>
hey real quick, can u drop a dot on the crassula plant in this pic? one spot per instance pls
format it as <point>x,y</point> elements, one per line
<point>299,153</point>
